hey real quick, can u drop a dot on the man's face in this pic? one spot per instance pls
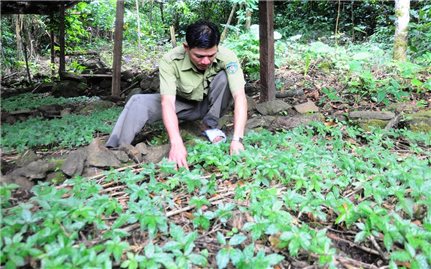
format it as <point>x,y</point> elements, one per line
<point>202,58</point>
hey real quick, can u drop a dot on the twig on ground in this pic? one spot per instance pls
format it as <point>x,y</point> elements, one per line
<point>379,249</point>
<point>352,244</point>
<point>130,87</point>
<point>357,264</point>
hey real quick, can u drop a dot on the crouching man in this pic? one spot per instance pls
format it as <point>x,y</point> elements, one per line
<point>197,81</point>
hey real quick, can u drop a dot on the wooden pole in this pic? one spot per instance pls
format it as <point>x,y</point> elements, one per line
<point>62,42</point>
<point>266,40</point>
<point>118,47</point>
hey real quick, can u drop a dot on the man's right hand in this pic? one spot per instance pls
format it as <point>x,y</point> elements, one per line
<point>178,154</point>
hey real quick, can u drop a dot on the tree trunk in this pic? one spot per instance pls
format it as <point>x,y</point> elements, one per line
<point>353,19</point>
<point>24,45</point>
<point>248,14</point>
<point>266,47</point>
<point>402,14</point>
<point>52,48</point>
<point>232,12</point>
<point>150,16</point>
<point>18,35</point>
<point>162,15</point>
<point>173,39</point>
<point>139,24</point>
<point>62,68</point>
<point>30,42</point>
<point>337,21</point>
<point>118,47</point>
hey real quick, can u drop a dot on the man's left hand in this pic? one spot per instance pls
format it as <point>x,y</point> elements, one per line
<point>236,147</point>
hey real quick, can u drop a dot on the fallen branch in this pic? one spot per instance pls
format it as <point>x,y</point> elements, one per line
<point>393,122</point>
<point>130,87</point>
<point>289,93</point>
<point>357,264</point>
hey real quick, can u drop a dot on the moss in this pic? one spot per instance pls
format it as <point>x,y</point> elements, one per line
<point>424,114</point>
<point>58,178</point>
<point>420,127</point>
<point>370,124</point>
<point>419,122</point>
<point>57,163</point>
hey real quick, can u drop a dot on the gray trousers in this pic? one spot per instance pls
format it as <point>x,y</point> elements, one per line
<point>146,108</point>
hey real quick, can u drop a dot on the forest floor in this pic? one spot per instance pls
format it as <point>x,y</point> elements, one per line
<point>324,194</point>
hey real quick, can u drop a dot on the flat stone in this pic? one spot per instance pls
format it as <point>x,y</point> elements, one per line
<point>132,152</point>
<point>35,170</point>
<point>372,115</point>
<point>91,171</point>
<point>142,148</point>
<point>121,156</point>
<point>295,121</point>
<point>74,163</point>
<point>155,154</point>
<point>307,107</point>
<point>23,182</point>
<point>272,107</point>
<point>251,104</point>
<point>259,121</point>
<point>99,156</point>
<point>25,158</point>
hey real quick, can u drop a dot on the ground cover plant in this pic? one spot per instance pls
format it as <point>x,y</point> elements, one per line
<point>328,195</point>
<point>325,195</point>
<point>31,101</point>
<point>69,131</point>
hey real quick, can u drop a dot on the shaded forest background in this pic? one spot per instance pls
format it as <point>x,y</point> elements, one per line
<point>90,26</point>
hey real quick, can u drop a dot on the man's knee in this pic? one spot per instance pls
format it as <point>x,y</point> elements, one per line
<point>143,100</point>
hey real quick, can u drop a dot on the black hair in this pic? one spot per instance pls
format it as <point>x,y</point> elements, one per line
<point>202,34</point>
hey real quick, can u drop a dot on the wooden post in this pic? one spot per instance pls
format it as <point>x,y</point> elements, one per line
<point>62,43</point>
<point>118,46</point>
<point>266,40</point>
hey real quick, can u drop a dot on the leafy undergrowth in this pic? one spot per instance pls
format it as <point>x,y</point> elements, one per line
<point>31,101</point>
<point>318,195</point>
<point>70,131</point>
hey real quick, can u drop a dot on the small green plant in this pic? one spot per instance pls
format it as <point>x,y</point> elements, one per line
<point>331,95</point>
<point>76,67</point>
